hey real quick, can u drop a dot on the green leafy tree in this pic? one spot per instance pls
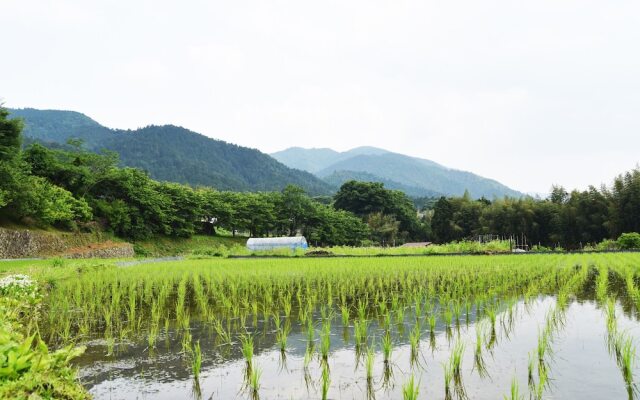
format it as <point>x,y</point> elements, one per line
<point>384,228</point>
<point>10,136</point>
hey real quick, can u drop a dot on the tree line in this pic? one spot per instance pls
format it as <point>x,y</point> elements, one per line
<point>71,188</point>
<point>566,219</point>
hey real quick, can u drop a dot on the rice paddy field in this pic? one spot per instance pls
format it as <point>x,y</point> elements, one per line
<point>549,326</point>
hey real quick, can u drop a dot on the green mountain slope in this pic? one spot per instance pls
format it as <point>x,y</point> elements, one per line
<point>172,153</point>
<point>337,178</point>
<point>384,166</point>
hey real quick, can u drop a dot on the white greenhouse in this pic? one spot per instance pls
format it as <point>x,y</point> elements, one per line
<point>293,243</point>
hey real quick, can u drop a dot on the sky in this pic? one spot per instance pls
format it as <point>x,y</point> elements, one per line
<point>528,93</point>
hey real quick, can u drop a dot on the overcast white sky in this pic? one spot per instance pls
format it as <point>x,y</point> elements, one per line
<point>528,93</point>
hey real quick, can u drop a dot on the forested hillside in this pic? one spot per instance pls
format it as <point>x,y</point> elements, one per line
<point>172,153</point>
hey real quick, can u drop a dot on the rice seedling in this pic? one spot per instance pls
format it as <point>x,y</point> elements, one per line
<point>627,360</point>
<point>344,311</point>
<point>361,328</point>
<point>387,347</point>
<point>246,341</point>
<point>369,362</point>
<point>196,364</point>
<point>478,357</point>
<point>456,359</point>
<point>282,337</point>
<point>448,378</point>
<point>326,381</point>
<point>410,390</point>
<point>414,341</point>
<point>254,381</point>
<point>325,342</point>
<point>542,381</point>
<point>456,369</point>
<point>400,316</point>
<point>514,393</point>
<point>386,321</point>
<point>311,331</point>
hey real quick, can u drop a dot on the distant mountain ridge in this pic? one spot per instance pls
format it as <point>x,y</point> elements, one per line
<point>417,176</point>
<point>172,153</point>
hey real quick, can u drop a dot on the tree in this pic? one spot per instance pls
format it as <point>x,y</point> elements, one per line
<point>384,228</point>
<point>367,198</point>
<point>10,136</point>
<point>441,223</point>
<point>362,198</point>
<point>294,208</point>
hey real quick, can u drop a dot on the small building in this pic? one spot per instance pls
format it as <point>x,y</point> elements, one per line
<point>272,243</point>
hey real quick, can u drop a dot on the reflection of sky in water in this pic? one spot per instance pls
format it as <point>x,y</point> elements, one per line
<point>581,367</point>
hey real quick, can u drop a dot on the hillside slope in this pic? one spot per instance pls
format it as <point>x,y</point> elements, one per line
<point>172,153</point>
<point>400,170</point>
<point>337,178</point>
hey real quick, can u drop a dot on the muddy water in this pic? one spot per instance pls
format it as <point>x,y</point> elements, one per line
<point>579,368</point>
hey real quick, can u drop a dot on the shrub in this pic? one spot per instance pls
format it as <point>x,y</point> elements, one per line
<point>27,368</point>
<point>538,248</point>
<point>628,241</point>
<point>607,244</point>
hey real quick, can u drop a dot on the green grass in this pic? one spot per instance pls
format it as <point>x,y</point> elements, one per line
<point>197,245</point>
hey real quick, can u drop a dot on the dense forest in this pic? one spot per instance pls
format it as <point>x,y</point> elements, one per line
<point>72,188</point>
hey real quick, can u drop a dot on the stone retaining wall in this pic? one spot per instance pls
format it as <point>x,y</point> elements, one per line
<point>27,243</point>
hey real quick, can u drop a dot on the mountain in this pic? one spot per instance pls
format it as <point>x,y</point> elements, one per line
<point>337,178</point>
<point>406,173</point>
<point>172,153</point>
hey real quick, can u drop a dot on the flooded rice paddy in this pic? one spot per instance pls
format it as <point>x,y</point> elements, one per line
<point>547,327</point>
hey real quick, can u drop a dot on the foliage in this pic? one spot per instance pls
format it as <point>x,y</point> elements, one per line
<point>381,208</point>
<point>27,368</point>
<point>628,241</point>
<point>573,220</point>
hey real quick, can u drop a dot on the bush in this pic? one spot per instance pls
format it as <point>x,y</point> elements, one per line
<point>607,244</point>
<point>538,248</point>
<point>628,241</point>
<point>27,368</point>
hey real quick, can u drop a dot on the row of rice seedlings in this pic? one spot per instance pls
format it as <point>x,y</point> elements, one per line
<point>230,297</point>
<point>199,295</point>
<point>602,283</point>
<point>620,345</point>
